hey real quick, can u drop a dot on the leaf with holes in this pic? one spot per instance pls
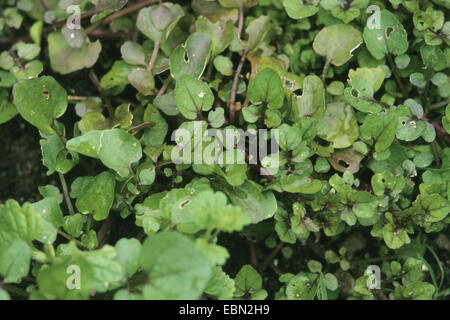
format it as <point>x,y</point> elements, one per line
<point>337,43</point>
<point>40,101</point>
<point>390,38</point>
<point>192,57</point>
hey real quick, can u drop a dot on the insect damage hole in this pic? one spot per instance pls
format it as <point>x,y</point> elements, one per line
<point>343,163</point>
<point>69,156</point>
<point>46,94</point>
<point>389,31</point>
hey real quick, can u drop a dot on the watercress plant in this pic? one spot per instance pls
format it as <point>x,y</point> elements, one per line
<point>338,185</point>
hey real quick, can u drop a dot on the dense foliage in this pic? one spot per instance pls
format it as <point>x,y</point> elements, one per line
<point>353,94</point>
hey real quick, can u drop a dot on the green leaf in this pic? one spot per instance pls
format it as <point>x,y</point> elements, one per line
<point>117,76</point>
<point>166,103</point>
<point>133,53</point>
<point>249,282</point>
<point>192,57</point>
<point>15,257</point>
<point>331,281</point>
<point>433,57</point>
<point>337,42</point>
<point>221,33</point>
<point>156,134</point>
<point>223,65</point>
<point>416,291</point>
<point>192,96</point>
<point>97,271</point>
<point>345,11</point>
<point>298,288</point>
<point>395,238</point>
<point>366,80</point>
<point>216,255</point>
<point>314,266</point>
<point>40,101</point>
<point>19,226</point>
<point>158,21</point>
<point>28,51</point>
<point>7,112</point>
<point>257,30</point>
<point>73,225</point>
<point>418,80</point>
<point>312,101</point>
<point>433,206</point>
<point>97,196</point>
<point>267,88</point>
<point>238,3</point>
<point>380,129</point>
<point>142,80</point>
<point>391,38</point>
<point>288,138</point>
<point>259,204</point>
<point>64,59</point>
<point>4,295</point>
<point>22,222</point>
<point>50,191</point>
<point>220,284</point>
<point>216,117</point>
<point>298,184</point>
<point>323,288</point>
<point>205,206</point>
<point>339,125</point>
<point>175,267</point>
<point>116,148</point>
<point>52,218</point>
<point>128,253</point>
<point>299,9</point>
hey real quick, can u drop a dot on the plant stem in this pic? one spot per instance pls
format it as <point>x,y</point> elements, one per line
<point>16,59</point>
<point>383,104</point>
<point>396,76</point>
<point>154,55</point>
<point>239,68</point>
<point>76,98</point>
<point>426,90</point>
<point>210,68</point>
<point>325,69</point>
<point>241,20</point>
<point>163,163</point>
<point>66,194</point>
<point>102,92</point>
<point>106,34</point>
<point>272,255</point>
<point>439,105</point>
<point>439,130</point>
<point>141,126</point>
<point>14,290</point>
<point>253,258</point>
<point>214,235</point>
<point>164,86</point>
<point>59,133</point>
<point>436,154</point>
<point>235,85</point>
<point>89,223</point>
<point>70,238</point>
<point>45,5</point>
<point>102,234</point>
<point>121,13</point>
<point>381,295</point>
